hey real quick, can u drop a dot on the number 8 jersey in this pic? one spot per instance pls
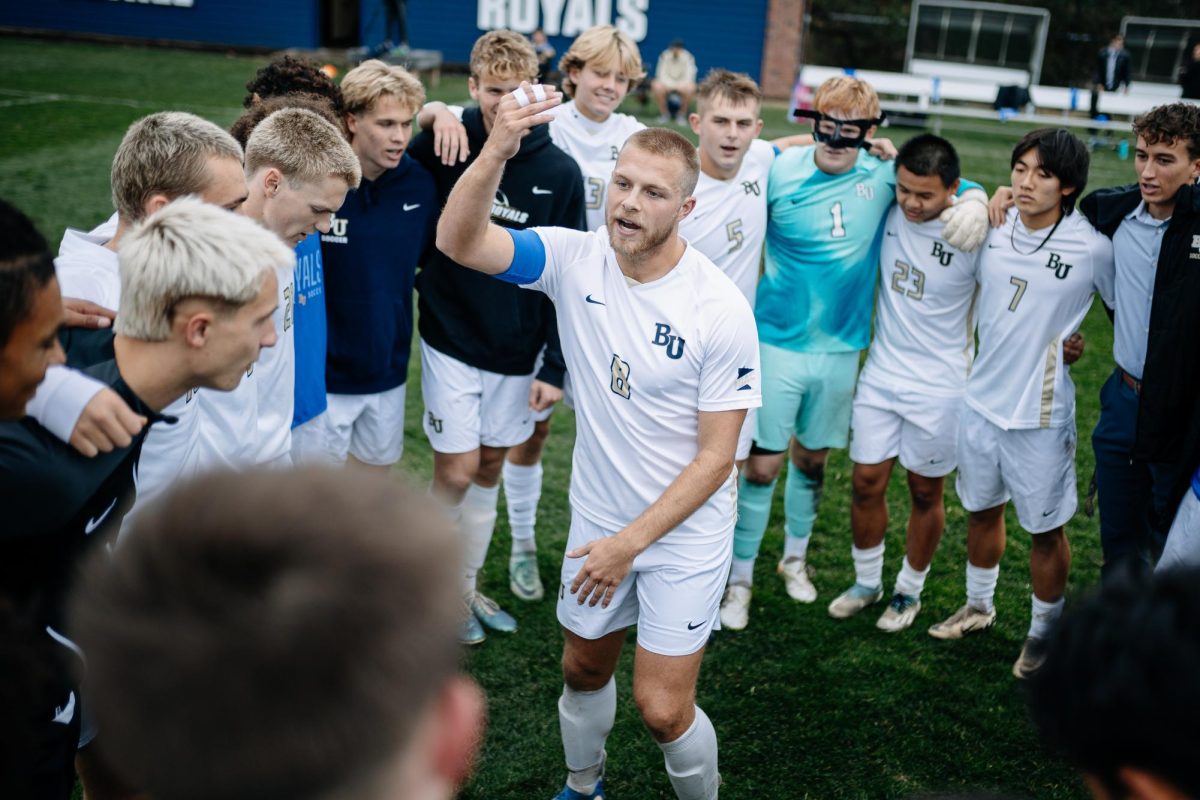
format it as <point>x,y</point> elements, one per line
<point>822,251</point>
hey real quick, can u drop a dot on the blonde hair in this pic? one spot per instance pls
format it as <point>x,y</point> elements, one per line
<point>304,147</point>
<point>166,153</point>
<point>851,95</point>
<point>365,84</point>
<point>602,45</point>
<point>190,248</point>
<point>735,87</point>
<point>666,143</point>
<point>503,55</point>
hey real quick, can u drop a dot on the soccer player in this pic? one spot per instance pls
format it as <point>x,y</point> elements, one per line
<point>825,205</point>
<point>1017,432</point>
<point>480,338</point>
<point>347,587</point>
<point>665,359</point>
<point>298,169</point>
<point>377,238</point>
<point>198,291</point>
<point>910,391</point>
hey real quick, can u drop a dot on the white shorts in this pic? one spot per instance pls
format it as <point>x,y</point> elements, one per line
<point>674,604</point>
<point>466,407</point>
<point>746,435</point>
<point>544,414</point>
<point>919,429</point>
<point>1034,467</point>
<point>369,427</point>
<point>1183,542</point>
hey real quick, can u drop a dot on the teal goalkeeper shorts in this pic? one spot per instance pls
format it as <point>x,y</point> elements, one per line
<point>808,395</point>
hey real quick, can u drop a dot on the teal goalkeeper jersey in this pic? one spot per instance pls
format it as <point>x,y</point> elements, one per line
<point>822,252</point>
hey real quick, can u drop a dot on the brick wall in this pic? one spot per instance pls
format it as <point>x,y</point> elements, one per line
<point>781,49</point>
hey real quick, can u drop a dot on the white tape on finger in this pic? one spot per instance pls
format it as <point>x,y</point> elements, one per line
<point>539,92</point>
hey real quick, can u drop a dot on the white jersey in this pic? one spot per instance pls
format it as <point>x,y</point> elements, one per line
<point>644,358</point>
<point>729,222</point>
<point>1031,298</point>
<point>276,376</point>
<point>594,146</point>
<point>88,270</point>
<point>924,310</point>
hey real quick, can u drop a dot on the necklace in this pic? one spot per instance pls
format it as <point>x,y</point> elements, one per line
<point>1012,236</point>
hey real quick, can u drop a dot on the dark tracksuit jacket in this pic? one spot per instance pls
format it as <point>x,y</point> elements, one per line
<point>472,317</point>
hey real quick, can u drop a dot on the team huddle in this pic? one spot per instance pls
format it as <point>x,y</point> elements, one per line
<point>703,310</point>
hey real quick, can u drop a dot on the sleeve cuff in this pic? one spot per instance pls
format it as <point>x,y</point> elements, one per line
<point>60,400</point>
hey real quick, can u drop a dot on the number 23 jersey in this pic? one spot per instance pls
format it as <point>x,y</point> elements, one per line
<point>644,360</point>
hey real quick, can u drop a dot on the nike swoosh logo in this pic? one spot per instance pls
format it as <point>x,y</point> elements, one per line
<point>993,247</point>
<point>536,190</point>
<point>1048,513</point>
<point>410,207</point>
<point>596,302</point>
<point>889,233</point>
<point>96,521</point>
<point>692,627</point>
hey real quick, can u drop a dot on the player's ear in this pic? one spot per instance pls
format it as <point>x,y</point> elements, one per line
<point>694,121</point>
<point>154,202</point>
<point>196,324</point>
<point>352,122</point>
<point>954,187</point>
<point>271,179</point>
<point>758,126</point>
<point>688,207</point>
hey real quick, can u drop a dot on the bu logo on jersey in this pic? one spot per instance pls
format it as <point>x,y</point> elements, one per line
<point>864,190</point>
<point>337,231</point>
<point>1196,247</point>
<point>616,151</point>
<point>664,338</point>
<point>1060,267</point>
<point>941,254</point>
<point>751,187</point>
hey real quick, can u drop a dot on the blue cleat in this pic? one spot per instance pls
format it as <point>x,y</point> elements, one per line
<point>568,793</point>
<point>490,614</point>
<point>470,631</point>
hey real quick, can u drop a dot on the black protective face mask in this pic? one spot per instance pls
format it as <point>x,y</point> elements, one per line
<point>839,133</point>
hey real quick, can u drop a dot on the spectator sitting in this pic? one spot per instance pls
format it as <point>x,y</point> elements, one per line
<point>330,618</point>
<point>1118,695</point>
<point>676,72</point>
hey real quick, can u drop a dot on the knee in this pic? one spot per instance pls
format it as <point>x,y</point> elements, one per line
<point>581,675</point>
<point>1049,542</point>
<point>867,488</point>
<point>666,720</point>
<point>811,468</point>
<point>454,479</point>
<point>924,498</point>
<point>759,474</point>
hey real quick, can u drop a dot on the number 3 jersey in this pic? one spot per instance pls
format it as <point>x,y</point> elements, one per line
<point>730,218</point>
<point>1032,296</point>
<point>644,360</point>
<point>594,146</point>
<point>822,248</point>
<point>924,322</point>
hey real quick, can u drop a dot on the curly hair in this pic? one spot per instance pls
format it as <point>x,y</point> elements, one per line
<point>1170,123</point>
<point>288,75</point>
<point>318,104</point>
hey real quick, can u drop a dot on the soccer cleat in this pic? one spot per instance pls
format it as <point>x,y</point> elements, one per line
<point>960,623</point>
<point>568,793</point>
<point>901,611</point>
<point>523,577</point>
<point>1033,655</point>
<point>735,607</point>
<point>470,631</point>
<point>492,615</point>
<point>854,600</point>
<point>795,578</point>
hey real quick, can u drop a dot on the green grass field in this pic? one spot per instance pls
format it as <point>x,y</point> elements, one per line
<point>804,706</point>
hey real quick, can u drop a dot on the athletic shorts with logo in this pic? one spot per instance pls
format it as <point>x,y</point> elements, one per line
<point>808,395</point>
<point>369,427</point>
<point>919,429</point>
<point>466,407</point>
<point>1034,467</point>
<point>672,593</point>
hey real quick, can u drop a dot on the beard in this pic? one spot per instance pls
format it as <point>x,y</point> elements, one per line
<point>650,240</point>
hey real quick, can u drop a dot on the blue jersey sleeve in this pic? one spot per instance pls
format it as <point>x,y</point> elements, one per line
<point>529,257</point>
<point>965,184</point>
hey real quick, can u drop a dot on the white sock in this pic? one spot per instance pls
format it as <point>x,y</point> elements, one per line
<point>794,546</point>
<point>477,522</point>
<point>742,571</point>
<point>522,491</point>
<point>692,761</point>
<point>981,586</point>
<point>911,581</point>
<point>1044,616</point>
<point>585,719</point>
<point>868,566</point>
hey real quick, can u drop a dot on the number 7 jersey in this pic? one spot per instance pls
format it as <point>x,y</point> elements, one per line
<point>822,252</point>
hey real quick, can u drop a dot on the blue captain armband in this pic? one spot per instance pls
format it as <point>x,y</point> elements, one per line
<point>529,257</point>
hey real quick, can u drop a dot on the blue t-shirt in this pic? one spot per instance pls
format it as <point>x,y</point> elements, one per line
<point>309,319</point>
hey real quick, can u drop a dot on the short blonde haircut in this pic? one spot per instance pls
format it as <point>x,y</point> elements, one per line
<point>187,249</point>
<point>166,153</point>
<point>504,55</point>
<point>735,87</point>
<point>666,143</point>
<point>304,147</point>
<point>365,84</point>
<point>850,95</point>
<point>602,46</point>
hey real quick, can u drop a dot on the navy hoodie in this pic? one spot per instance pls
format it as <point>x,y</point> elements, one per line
<point>378,237</point>
<point>472,317</point>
